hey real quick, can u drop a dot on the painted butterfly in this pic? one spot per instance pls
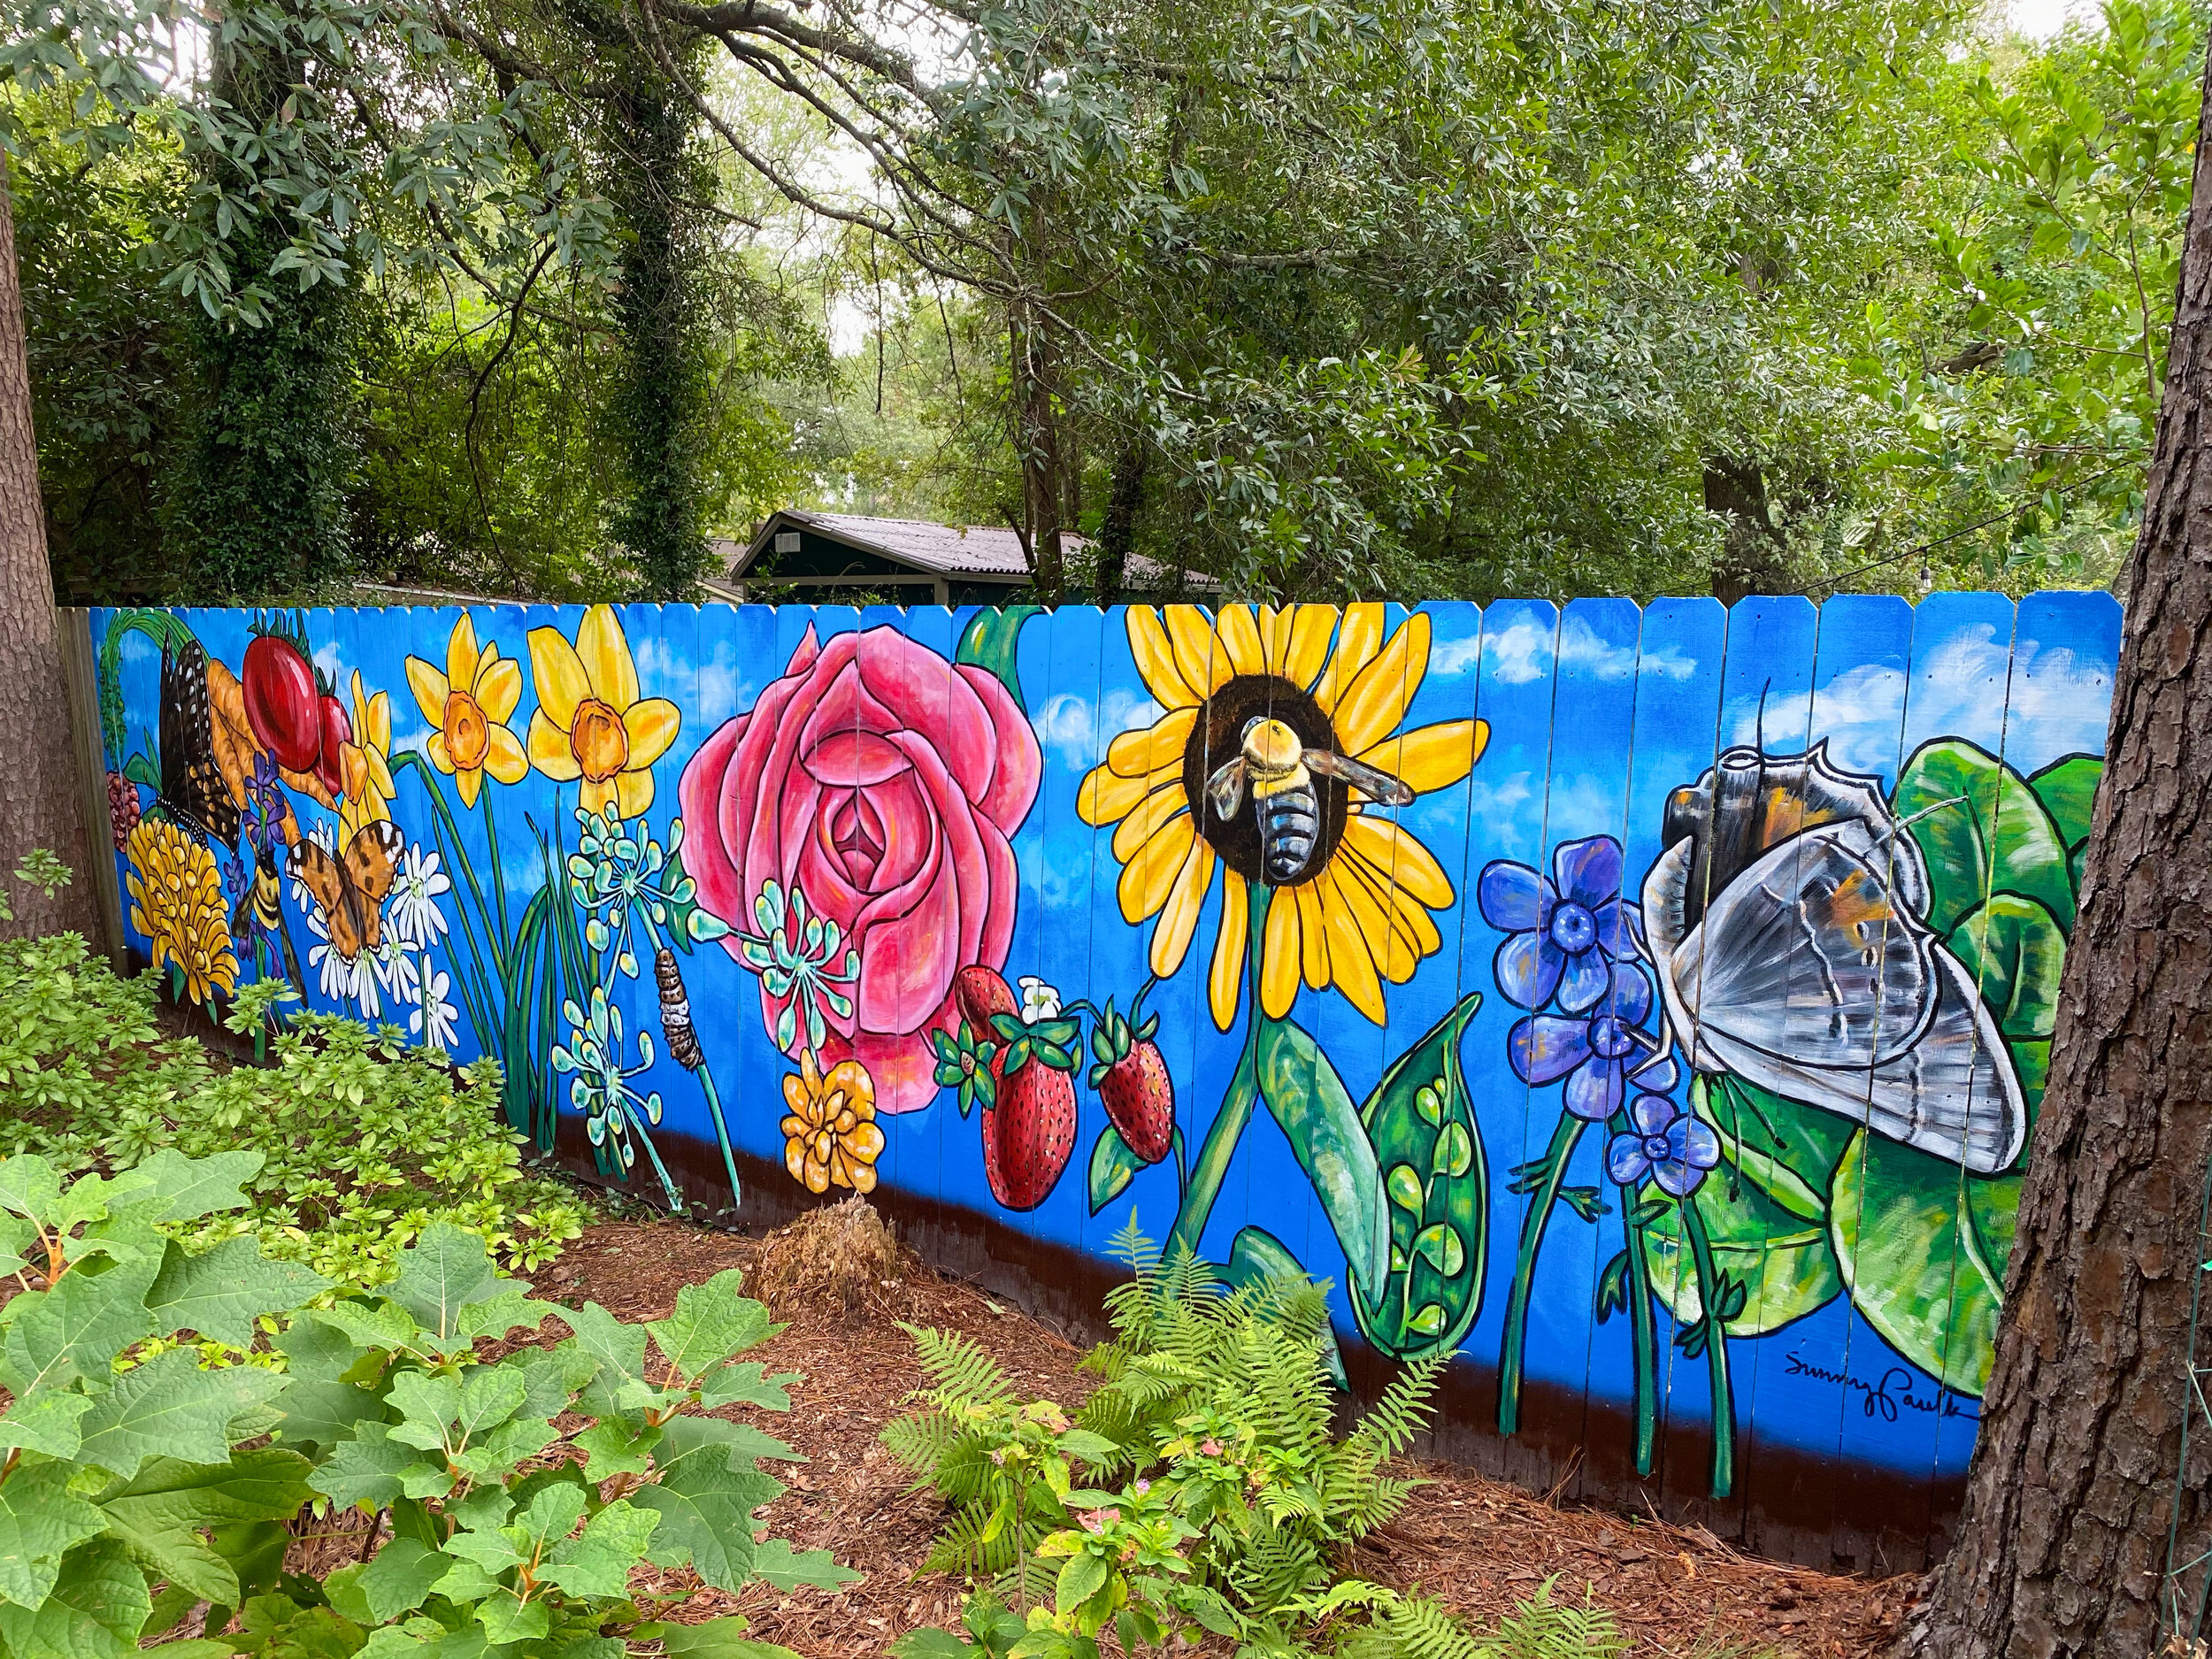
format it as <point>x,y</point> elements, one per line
<point>192,783</point>
<point>1788,919</point>
<point>351,890</point>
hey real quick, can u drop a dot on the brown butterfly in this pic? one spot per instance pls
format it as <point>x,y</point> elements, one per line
<point>351,891</point>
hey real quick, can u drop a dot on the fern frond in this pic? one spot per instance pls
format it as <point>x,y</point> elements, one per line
<point>961,1375</point>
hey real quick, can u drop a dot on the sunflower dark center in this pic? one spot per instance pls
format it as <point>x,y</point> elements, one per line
<point>1218,736</point>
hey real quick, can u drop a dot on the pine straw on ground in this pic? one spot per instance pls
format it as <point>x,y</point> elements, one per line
<point>1477,1545</point>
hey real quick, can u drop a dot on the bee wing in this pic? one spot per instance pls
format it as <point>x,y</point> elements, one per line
<point>1379,785</point>
<point>1225,788</point>
<point>1953,1094</point>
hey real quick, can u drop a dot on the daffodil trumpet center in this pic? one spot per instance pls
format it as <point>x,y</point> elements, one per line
<point>1271,722</point>
<point>598,740</point>
<point>468,734</point>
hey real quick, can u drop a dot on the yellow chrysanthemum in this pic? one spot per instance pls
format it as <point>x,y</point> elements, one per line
<point>831,1134</point>
<point>590,723</point>
<point>470,704</point>
<point>364,765</point>
<point>177,901</point>
<point>1358,911</point>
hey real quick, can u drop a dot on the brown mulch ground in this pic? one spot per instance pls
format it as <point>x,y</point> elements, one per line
<point>1477,1545</point>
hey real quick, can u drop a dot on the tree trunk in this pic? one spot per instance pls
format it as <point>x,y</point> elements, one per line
<point>2071,1496</point>
<point>1038,428</point>
<point>1117,535</point>
<point>38,800</point>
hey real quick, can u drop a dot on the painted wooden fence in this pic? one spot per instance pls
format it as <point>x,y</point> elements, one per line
<point>1647,1006</point>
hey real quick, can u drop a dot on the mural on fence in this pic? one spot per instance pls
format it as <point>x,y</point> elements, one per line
<point>1652,1005</point>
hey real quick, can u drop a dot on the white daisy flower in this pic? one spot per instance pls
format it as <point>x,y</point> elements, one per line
<point>412,909</point>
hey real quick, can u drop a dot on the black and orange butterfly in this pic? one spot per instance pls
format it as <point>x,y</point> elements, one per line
<point>192,784</point>
<point>351,890</point>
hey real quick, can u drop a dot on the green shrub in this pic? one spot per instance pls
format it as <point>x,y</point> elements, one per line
<point>126,1500</point>
<point>363,1143</point>
<point>1215,1419</point>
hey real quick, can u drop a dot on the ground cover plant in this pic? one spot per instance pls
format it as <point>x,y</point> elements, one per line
<point>363,1143</point>
<point>143,1486</point>
<point>1201,1489</point>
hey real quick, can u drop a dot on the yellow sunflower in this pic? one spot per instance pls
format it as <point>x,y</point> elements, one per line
<point>590,723</point>
<point>177,903</point>
<point>364,765</point>
<point>1357,910</point>
<point>470,704</point>
<point>831,1133</point>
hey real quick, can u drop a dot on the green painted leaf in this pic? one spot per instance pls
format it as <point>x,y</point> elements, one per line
<point>1913,1271</point>
<point>2015,949</point>
<point>1993,1203</point>
<point>988,643</point>
<point>99,1604</point>
<point>1786,1150</point>
<point>2068,789</point>
<point>1421,1118</point>
<point>1302,1090</point>
<point>219,1294</point>
<point>1997,839</point>
<point>1778,1258</point>
<point>1113,1166</point>
<point>39,1523</point>
<point>1785,1264</point>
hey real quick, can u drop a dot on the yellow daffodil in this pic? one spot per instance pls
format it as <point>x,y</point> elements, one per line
<point>364,765</point>
<point>831,1134</point>
<point>470,705</point>
<point>177,903</point>
<point>590,723</point>
<point>1357,909</point>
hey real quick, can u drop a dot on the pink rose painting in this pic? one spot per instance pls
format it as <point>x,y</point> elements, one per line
<point>882,783</point>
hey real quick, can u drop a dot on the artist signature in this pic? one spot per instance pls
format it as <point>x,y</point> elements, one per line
<point>1886,1398</point>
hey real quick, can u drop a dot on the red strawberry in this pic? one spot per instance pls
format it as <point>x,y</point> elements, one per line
<point>1132,1084</point>
<point>1029,1122</point>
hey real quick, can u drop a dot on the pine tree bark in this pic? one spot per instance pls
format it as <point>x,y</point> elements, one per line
<point>38,779</point>
<point>2062,1541</point>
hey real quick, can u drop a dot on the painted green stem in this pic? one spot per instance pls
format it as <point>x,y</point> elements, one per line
<point>1218,1151</point>
<point>1643,1327</point>
<point>721,1132</point>
<point>1716,1354</point>
<point>1566,1135</point>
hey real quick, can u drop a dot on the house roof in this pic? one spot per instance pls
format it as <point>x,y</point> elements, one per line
<point>983,552</point>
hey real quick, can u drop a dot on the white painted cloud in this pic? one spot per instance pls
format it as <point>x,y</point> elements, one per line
<point>1518,652</point>
<point>1079,731</point>
<point>1525,650</point>
<point>2047,701</point>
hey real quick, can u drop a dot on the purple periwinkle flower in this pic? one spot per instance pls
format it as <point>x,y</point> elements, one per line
<point>1565,930</point>
<point>264,804</point>
<point>1598,1053</point>
<point>1664,1142</point>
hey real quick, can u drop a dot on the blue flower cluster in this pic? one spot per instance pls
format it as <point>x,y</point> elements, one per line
<point>1570,957</point>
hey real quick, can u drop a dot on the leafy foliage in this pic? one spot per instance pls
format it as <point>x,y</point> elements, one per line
<point>360,1143</point>
<point>1215,1419</point>
<point>124,1474</point>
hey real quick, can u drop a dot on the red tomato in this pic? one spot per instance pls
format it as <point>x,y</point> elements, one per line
<point>281,704</point>
<point>337,732</point>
